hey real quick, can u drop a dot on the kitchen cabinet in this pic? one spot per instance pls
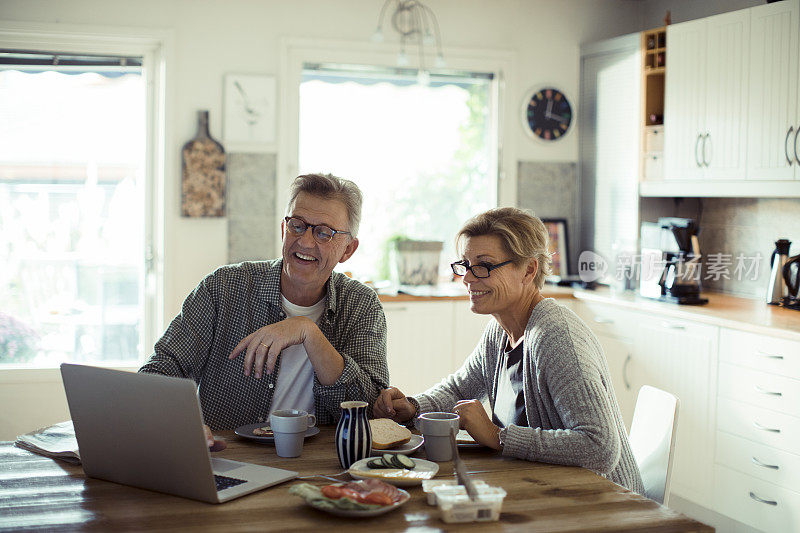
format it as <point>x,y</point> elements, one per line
<point>614,331</point>
<point>428,340</point>
<point>705,108</point>
<point>680,357</point>
<point>677,356</point>
<point>758,430</point>
<point>773,107</point>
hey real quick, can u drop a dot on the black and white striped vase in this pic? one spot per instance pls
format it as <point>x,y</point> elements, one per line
<point>353,435</point>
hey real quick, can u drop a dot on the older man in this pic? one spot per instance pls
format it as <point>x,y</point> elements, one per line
<point>309,338</point>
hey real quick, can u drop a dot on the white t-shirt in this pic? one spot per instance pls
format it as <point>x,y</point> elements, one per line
<point>295,388</point>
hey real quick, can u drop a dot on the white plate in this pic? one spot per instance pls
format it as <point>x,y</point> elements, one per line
<point>246,432</point>
<point>370,512</point>
<point>465,440</point>
<point>408,448</point>
<point>420,465</point>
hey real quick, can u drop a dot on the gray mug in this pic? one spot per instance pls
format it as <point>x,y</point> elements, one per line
<point>435,428</point>
<point>289,428</point>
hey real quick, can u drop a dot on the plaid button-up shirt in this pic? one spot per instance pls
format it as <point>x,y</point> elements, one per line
<point>236,300</point>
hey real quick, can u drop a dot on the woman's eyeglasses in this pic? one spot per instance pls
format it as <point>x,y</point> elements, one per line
<point>321,233</point>
<point>481,270</point>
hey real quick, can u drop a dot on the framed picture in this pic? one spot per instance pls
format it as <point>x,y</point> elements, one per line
<point>559,250</point>
<point>250,108</point>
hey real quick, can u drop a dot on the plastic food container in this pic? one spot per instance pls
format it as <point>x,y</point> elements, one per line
<point>457,507</point>
<point>429,485</point>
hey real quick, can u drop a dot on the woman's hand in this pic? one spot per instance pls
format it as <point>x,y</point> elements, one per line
<point>213,444</point>
<point>475,420</point>
<point>393,404</point>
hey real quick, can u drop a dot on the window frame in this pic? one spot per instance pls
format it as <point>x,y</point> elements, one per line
<point>155,46</point>
<point>296,52</point>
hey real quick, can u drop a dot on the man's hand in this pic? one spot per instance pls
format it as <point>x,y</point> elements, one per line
<point>477,423</point>
<point>265,344</point>
<point>213,444</point>
<point>393,404</point>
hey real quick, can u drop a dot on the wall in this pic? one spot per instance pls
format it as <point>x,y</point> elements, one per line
<point>735,227</point>
<point>653,11</point>
<point>212,38</point>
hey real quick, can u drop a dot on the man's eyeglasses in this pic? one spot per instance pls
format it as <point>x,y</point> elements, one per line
<point>321,233</point>
<point>481,270</point>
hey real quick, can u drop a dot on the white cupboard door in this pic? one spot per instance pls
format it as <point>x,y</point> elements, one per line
<point>681,358</point>
<point>772,123</point>
<point>619,355</point>
<point>723,150</point>
<point>684,100</point>
<point>418,344</point>
<point>468,329</point>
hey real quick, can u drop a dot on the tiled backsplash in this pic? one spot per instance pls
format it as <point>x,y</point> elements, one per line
<point>734,228</point>
<point>550,190</point>
<point>251,207</point>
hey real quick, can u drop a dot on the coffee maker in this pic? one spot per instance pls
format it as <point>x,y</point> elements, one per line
<point>671,268</point>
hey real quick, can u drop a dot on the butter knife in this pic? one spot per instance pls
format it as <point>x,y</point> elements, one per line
<point>461,471</point>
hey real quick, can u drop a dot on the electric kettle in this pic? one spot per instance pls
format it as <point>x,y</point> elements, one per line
<point>777,288</point>
<point>791,276</point>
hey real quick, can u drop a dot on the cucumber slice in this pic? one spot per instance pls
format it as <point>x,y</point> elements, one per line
<point>376,463</point>
<point>396,463</point>
<point>388,460</point>
<point>407,462</point>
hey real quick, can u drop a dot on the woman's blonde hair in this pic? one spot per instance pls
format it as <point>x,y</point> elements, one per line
<point>523,236</point>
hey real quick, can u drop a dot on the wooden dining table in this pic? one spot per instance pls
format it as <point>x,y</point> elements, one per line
<point>37,492</point>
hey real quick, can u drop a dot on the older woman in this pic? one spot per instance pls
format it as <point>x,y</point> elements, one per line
<point>541,368</point>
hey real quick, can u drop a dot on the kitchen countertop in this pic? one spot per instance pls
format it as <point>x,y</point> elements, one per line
<point>549,291</point>
<point>723,310</point>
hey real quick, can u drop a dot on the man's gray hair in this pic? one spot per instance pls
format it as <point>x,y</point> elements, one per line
<point>330,187</point>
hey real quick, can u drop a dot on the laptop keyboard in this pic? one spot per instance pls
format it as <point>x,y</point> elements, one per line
<point>225,482</point>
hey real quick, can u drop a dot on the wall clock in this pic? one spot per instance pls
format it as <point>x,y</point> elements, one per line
<point>547,113</point>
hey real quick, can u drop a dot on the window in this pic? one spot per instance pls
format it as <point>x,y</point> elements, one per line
<point>72,208</point>
<point>421,148</point>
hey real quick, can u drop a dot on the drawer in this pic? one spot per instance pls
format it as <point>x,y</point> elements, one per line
<point>760,425</point>
<point>654,139</point>
<point>737,495</point>
<point>607,319</point>
<point>654,167</point>
<point>760,388</point>
<point>760,352</point>
<point>758,460</point>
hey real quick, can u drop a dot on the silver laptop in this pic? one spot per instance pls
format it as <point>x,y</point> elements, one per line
<point>146,430</point>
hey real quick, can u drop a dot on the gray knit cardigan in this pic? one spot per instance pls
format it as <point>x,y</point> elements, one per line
<point>573,416</point>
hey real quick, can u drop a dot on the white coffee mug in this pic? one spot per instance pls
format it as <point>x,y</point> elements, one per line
<point>436,428</point>
<point>289,428</point>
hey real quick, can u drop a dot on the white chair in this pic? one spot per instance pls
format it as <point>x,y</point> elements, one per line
<point>652,438</point>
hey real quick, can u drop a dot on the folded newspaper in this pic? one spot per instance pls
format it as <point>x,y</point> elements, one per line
<point>56,441</point>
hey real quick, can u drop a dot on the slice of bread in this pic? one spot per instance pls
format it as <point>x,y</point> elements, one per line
<point>387,433</point>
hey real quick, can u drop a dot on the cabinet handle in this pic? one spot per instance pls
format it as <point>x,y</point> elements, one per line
<point>795,145</point>
<point>625,372</point>
<point>769,355</point>
<point>761,500</point>
<point>707,137</point>
<point>696,145</point>
<point>765,428</point>
<point>765,391</point>
<point>672,326</point>
<point>603,320</point>
<point>785,149</point>
<point>759,463</point>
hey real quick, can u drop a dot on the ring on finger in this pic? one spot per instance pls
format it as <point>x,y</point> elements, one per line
<point>264,345</point>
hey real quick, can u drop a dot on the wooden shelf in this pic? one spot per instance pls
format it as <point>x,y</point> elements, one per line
<point>654,60</point>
